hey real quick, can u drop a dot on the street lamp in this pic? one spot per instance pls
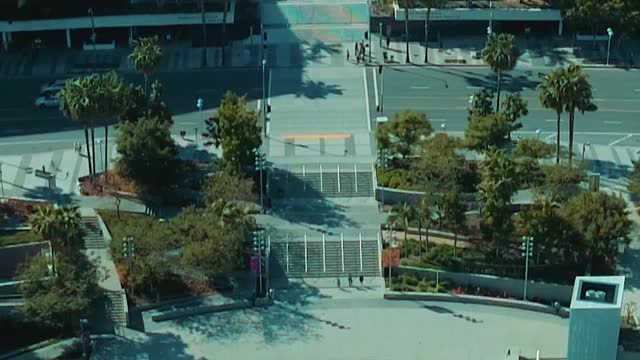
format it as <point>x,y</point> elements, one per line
<point>380,72</point>
<point>610,33</point>
<point>584,147</point>
<point>258,244</point>
<point>2,199</point>
<point>538,133</point>
<point>199,105</point>
<point>260,166</point>
<point>489,31</point>
<point>380,34</point>
<point>443,127</point>
<point>527,251</point>
<point>93,28</point>
<point>83,323</point>
<point>101,158</point>
<point>264,96</point>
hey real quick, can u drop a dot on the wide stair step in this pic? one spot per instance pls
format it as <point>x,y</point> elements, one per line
<point>329,184</point>
<point>115,307</point>
<point>92,236</point>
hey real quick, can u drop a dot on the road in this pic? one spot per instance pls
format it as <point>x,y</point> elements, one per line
<point>443,94</point>
<point>23,128</point>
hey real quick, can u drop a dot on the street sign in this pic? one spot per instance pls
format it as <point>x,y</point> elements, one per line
<point>42,174</point>
<point>254,264</point>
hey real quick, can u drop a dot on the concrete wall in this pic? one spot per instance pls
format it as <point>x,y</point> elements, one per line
<point>514,287</point>
<point>466,14</point>
<point>395,196</point>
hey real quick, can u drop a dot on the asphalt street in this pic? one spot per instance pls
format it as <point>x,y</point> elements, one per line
<point>443,94</point>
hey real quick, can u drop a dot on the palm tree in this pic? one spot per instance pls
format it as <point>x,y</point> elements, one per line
<point>224,30</point>
<point>145,58</point>
<point>551,98</point>
<point>424,215</point>
<point>56,223</point>
<point>501,53</point>
<point>404,213</point>
<point>577,94</point>
<point>73,104</point>
<point>429,5</point>
<point>406,4</point>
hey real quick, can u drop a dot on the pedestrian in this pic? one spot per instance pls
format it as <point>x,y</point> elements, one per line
<point>52,165</point>
<point>67,176</point>
<point>43,169</point>
<point>355,49</point>
<point>79,148</point>
<point>350,280</point>
<point>361,280</point>
<point>388,41</point>
<point>338,281</point>
<point>345,152</point>
<point>347,55</point>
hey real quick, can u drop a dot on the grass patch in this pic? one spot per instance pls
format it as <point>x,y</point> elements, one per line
<point>14,237</point>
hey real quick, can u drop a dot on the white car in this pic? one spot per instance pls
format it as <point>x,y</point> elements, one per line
<point>51,101</point>
<point>53,86</point>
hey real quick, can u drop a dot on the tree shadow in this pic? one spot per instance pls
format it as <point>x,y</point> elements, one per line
<point>316,50</point>
<point>55,195</point>
<point>155,346</point>
<point>510,82</point>
<point>317,89</point>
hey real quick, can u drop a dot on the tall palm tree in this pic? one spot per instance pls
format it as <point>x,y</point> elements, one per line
<point>73,104</point>
<point>406,4</point>
<point>551,98</point>
<point>501,53</point>
<point>577,94</point>
<point>404,213</point>
<point>145,58</point>
<point>429,4</point>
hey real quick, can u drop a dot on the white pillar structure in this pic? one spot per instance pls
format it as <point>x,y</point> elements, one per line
<point>560,26</point>
<point>5,41</point>
<point>594,323</point>
<point>68,32</point>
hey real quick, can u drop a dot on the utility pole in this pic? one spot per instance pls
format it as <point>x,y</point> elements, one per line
<point>258,245</point>
<point>261,162</point>
<point>527,251</point>
<point>128,250</point>
<point>380,71</point>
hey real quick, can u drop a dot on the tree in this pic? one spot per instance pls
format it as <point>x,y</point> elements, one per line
<point>402,134</point>
<point>634,178</point>
<point>602,221</point>
<point>485,132</point>
<point>60,224</point>
<point>439,168</point>
<point>424,215</point>
<point>227,185</point>
<point>501,54</point>
<point>454,209</point>
<point>93,99</point>
<point>134,103</point>
<point>532,148</point>
<point>514,107</point>
<point>560,183</point>
<point>148,154</point>
<point>577,94</point>
<point>497,186</point>
<point>550,97</point>
<point>403,213</point>
<point>481,103</point>
<point>58,298</point>
<point>406,4</point>
<point>207,246</point>
<point>429,4</point>
<point>236,130</point>
<point>145,58</point>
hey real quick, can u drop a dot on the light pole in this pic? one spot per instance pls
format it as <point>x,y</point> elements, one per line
<point>381,73</point>
<point>101,158</point>
<point>490,17</point>
<point>264,96</point>
<point>83,322</point>
<point>380,34</point>
<point>489,32</point>
<point>199,105</point>
<point>538,133</point>
<point>443,127</point>
<point>3,199</point>
<point>527,251</point>
<point>258,244</point>
<point>93,28</point>
<point>260,165</point>
<point>584,147</point>
<point>472,99</point>
<point>610,33</point>
<point>204,34</point>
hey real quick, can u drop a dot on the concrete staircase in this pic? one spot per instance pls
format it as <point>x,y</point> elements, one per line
<point>334,183</point>
<point>116,307</point>
<point>92,237</point>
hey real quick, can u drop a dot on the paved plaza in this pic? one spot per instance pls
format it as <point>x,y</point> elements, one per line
<point>349,324</point>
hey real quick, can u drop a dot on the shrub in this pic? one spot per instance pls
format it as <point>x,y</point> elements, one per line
<point>395,178</point>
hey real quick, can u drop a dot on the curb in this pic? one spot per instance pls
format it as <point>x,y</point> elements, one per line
<point>480,300</point>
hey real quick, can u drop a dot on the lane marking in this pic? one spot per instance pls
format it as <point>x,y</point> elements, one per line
<point>375,89</point>
<point>613,122</point>
<point>286,137</point>
<point>438,120</point>
<point>549,137</point>
<point>475,87</point>
<point>420,87</point>
<point>636,90</point>
<point>621,139</point>
<point>366,98</point>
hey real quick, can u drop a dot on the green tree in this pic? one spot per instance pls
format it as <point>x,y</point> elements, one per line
<point>134,103</point>
<point>424,215</point>
<point>532,148</point>
<point>60,224</point>
<point>497,186</point>
<point>145,58</point>
<point>58,297</point>
<point>550,96</point>
<point>226,185</point>
<point>403,133</point>
<point>403,213</point>
<point>602,221</point>
<point>481,103</point>
<point>148,154</point>
<point>577,95</point>
<point>485,132</point>
<point>236,130</point>
<point>454,209</point>
<point>560,182</point>
<point>634,178</point>
<point>514,107</point>
<point>207,246</point>
<point>439,168</point>
<point>501,54</point>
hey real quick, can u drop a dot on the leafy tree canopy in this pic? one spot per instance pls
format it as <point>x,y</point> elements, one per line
<point>561,182</point>
<point>533,148</point>
<point>227,185</point>
<point>403,133</point>
<point>485,132</point>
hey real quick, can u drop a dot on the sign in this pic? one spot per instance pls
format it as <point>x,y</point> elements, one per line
<point>390,256</point>
<point>42,174</point>
<point>254,264</point>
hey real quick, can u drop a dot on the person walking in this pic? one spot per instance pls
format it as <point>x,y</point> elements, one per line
<point>350,280</point>
<point>357,53</point>
<point>361,280</point>
<point>388,41</point>
<point>347,55</point>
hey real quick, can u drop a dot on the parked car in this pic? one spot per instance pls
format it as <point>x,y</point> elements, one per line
<point>50,101</point>
<point>53,86</point>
